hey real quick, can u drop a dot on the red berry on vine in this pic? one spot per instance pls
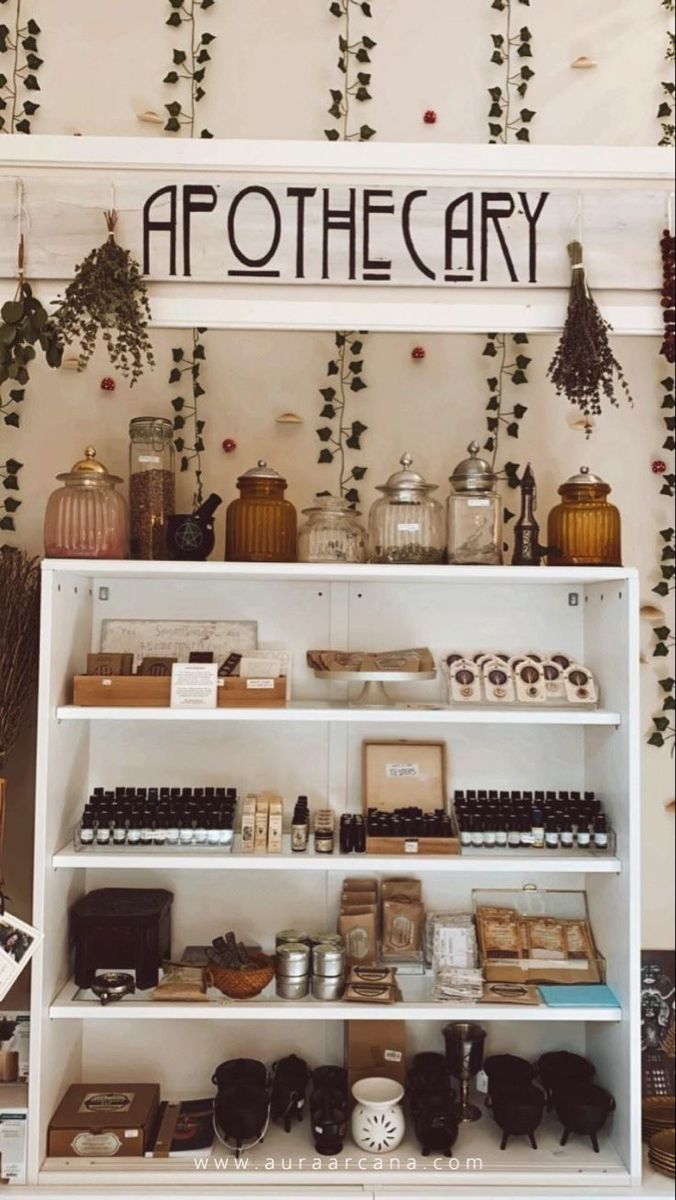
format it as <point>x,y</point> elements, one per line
<point>659,466</point>
<point>430,117</point>
<point>229,445</point>
<point>418,353</point>
<point>107,384</point>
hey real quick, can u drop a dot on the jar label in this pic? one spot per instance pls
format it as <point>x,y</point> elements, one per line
<point>260,684</point>
<point>478,503</point>
<point>149,458</point>
<point>412,527</point>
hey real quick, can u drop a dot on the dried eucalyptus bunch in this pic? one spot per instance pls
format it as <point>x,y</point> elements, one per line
<point>24,325</point>
<point>584,367</point>
<point>108,296</point>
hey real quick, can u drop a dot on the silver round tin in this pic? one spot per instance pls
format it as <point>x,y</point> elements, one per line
<point>328,987</point>
<point>328,960</point>
<point>292,989</point>
<point>291,935</point>
<point>292,960</point>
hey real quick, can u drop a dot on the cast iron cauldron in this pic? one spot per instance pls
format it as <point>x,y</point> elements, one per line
<point>584,1109</point>
<point>519,1113</point>
<point>560,1068</point>
<point>507,1073</point>
<point>431,1102</point>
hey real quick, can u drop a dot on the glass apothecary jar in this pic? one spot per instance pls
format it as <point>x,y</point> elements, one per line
<point>407,525</point>
<point>331,533</point>
<point>260,525</point>
<point>152,485</point>
<point>87,517</point>
<point>474,513</point>
<point>584,529</point>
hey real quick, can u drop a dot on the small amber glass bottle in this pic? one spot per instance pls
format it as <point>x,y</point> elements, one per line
<point>261,523</point>
<point>585,530</point>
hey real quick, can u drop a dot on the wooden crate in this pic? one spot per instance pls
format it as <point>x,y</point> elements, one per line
<point>427,790</point>
<point>152,691</point>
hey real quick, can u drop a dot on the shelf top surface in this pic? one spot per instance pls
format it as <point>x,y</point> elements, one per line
<point>168,858</point>
<point>74,1004</point>
<point>326,710</point>
<point>203,572</point>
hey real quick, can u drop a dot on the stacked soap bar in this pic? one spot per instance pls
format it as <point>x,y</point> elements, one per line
<point>531,820</point>
<point>143,817</point>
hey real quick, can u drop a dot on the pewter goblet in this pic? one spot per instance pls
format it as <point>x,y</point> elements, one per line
<point>465,1056</point>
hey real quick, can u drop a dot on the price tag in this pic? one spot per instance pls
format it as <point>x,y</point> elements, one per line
<point>411,846</point>
<point>260,685</point>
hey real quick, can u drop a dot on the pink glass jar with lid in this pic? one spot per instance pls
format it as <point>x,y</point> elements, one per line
<point>87,517</point>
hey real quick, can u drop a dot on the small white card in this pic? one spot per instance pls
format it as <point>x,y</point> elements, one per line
<point>194,685</point>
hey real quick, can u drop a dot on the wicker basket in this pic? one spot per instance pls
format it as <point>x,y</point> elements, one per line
<point>245,983</point>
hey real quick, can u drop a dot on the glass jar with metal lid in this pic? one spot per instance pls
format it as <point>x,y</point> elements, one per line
<point>261,523</point>
<point>87,517</point>
<point>474,513</point>
<point>584,529</point>
<point>331,533</point>
<point>407,524</point>
<point>152,485</point>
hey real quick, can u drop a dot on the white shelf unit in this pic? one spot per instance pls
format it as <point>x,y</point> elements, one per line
<point>315,748</point>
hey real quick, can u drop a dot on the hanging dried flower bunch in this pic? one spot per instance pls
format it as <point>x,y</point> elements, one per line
<point>584,367</point>
<point>668,246</point>
<point>25,325</point>
<point>108,295</point>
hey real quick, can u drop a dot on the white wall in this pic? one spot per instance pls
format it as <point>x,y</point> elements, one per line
<point>273,63</point>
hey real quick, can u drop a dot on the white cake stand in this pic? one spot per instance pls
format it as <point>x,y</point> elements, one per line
<point>374,694</point>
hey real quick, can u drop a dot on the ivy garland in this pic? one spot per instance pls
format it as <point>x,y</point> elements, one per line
<point>665,112</point>
<point>186,411</point>
<point>504,348</point>
<point>664,728</point>
<point>21,43</point>
<point>9,472</point>
<point>188,64</point>
<point>504,119</point>
<point>354,60</point>
<point>347,371</point>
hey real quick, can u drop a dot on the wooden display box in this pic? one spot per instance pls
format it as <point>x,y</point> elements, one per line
<point>398,775</point>
<point>153,691</point>
<point>559,906</point>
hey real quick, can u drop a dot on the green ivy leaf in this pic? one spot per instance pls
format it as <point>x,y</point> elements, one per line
<point>656,739</point>
<point>177,354</point>
<point>171,77</point>
<point>520,411</point>
<point>203,57</point>
<point>208,38</point>
<point>178,403</point>
<point>325,456</point>
<point>358,428</point>
<point>11,505</point>
<point>174,20</point>
<point>513,429</point>
<point>359,473</point>
<point>660,651</point>
<point>174,375</point>
<point>174,108</point>
<point>29,43</point>
<point>362,94</point>
<point>206,133</point>
<point>179,444</point>
<point>34,62</point>
<point>667,685</point>
<point>333,368</point>
<point>12,466</point>
<point>7,524</point>
<point>493,404</point>
<point>523,135</point>
<point>33,28</point>
<point>369,43</point>
<point>328,412</point>
<point>13,420</point>
<point>661,724</point>
<point>525,51</point>
<point>498,39</point>
<point>352,496</point>
<point>30,107</point>
<point>366,9</point>
<point>495,130</point>
<point>497,58</point>
<point>332,135</point>
<point>527,73</point>
<point>325,433</point>
<point>523,362</point>
<point>179,57</point>
<point>526,115</point>
<point>490,350</point>
<point>329,394</point>
<point>363,56</point>
<point>356,347</point>
<point>520,339</point>
<point>335,111</point>
<point>179,422</point>
<point>357,384</point>
<point>495,110</point>
<point>356,367</point>
<point>336,10</point>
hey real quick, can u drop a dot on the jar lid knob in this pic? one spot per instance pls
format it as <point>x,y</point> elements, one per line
<point>584,470</point>
<point>406,461</point>
<point>262,462</point>
<point>473,449</point>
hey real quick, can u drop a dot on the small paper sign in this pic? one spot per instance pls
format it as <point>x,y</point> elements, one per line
<point>402,771</point>
<point>194,685</point>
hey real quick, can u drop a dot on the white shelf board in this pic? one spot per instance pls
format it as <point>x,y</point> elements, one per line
<point>568,164</point>
<point>97,568</point>
<point>74,1004</point>
<point>518,1164</point>
<point>305,710</point>
<point>161,858</point>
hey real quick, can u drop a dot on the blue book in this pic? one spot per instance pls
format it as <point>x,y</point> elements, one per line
<point>583,995</point>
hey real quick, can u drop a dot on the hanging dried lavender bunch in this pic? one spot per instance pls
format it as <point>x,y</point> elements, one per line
<point>108,295</point>
<point>584,366</point>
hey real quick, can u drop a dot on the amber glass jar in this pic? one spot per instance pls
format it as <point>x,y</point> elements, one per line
<point>261,525</point>
<point>585,530</point>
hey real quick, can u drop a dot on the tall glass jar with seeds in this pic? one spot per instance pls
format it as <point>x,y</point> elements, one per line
<point>407,525</point>
<point>152,485</point>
